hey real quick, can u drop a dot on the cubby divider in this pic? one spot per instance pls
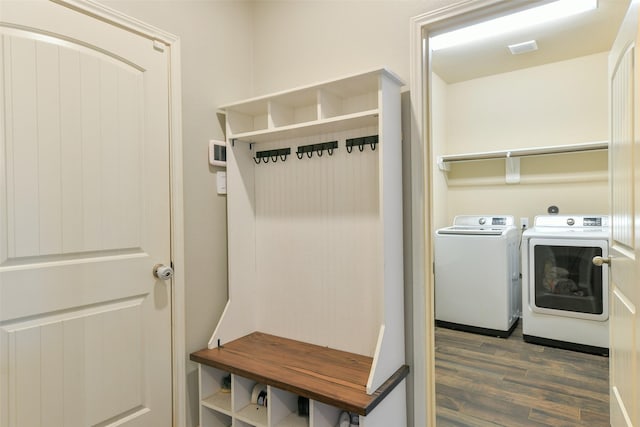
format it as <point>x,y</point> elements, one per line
<point>285,112</point>
<point>211,391</point>
<point>250,117</point>
<point>329,105</point>
<point>243,408</point>
<point>283,409</point>
<point>240,423</point>
<point>323,415</point>
<point>213,418</point>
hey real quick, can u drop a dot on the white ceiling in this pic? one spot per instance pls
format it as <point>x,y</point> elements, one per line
<point>585,34</point>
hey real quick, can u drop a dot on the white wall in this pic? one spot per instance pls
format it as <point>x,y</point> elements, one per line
<point>216,45</point>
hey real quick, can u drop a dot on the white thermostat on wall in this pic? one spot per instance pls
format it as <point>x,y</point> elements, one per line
<point>218,153</point>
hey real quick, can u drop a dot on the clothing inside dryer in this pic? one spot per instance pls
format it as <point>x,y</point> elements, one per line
<point>566,279</point>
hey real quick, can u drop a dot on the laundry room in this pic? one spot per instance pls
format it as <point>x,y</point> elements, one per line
<point>519,130</point>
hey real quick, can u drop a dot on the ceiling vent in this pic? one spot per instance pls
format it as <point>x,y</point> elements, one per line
<point>519,48</point>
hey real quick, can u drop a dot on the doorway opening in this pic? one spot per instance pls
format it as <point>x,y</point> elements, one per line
<point>464,104</point>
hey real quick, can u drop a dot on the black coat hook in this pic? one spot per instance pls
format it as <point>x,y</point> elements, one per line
<point>318,148</point>
<point>281,153</point>
<point>372,141</point>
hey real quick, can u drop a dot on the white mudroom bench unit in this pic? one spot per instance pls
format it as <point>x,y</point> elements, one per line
<point>315,309</point>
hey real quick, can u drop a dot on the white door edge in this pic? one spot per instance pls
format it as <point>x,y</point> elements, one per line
<point>172,42</point>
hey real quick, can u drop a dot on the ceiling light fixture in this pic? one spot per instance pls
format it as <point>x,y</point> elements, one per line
<point>516,21</point>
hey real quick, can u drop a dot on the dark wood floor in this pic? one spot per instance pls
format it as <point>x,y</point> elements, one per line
<point>487,381</point>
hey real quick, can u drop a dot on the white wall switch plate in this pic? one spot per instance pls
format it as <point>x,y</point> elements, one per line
<point>221,182</point>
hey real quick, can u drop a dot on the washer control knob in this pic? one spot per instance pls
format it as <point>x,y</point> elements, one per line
<point>482,221</point>
<point>571,221</point>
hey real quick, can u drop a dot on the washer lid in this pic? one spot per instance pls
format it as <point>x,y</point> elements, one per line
<point>472,231</point>
<point>479,225</point>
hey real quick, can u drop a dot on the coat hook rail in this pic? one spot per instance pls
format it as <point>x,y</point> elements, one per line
<point>361,142</point>
<point>317,148</point>
<point>273,155</point>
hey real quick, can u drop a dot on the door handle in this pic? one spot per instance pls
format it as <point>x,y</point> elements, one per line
<point>598,260</point>
<point>162,272</point>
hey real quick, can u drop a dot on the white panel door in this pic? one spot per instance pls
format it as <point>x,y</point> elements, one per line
<point>85,328</point>
<point>625,242</point>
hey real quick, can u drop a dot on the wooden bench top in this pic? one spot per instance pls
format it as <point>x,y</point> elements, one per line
<point>334,377</point>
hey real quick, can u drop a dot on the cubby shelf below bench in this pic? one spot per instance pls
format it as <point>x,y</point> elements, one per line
<point>326,375</point>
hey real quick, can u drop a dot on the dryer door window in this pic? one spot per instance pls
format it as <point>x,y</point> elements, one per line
<point>566,282</point>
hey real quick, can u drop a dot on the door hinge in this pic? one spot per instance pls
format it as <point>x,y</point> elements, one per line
<point>158,45</point>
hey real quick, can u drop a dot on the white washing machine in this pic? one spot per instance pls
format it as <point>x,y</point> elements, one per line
<point>565,297</point>
<point>477,275</point>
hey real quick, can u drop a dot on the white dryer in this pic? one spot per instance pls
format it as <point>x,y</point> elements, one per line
<point>565,296</point>
<point>477,274</point>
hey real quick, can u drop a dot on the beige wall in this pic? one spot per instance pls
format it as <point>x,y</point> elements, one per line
<point>440,210</point>
<point>555,104</point>
<point>303,41</point>
<point>216,45</point>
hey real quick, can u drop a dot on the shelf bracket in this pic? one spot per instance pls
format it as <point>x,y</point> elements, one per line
<point>442,165</point>
<point>512,169</point>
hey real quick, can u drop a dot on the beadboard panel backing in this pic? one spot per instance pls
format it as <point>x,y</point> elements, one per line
<point>318,248</point>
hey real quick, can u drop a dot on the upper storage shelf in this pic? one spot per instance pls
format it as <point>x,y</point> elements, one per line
<point>521,152</point>
<point>336,105</point>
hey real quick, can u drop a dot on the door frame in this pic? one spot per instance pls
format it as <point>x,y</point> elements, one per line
<point>422,167</point>
<point>170,42</point>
